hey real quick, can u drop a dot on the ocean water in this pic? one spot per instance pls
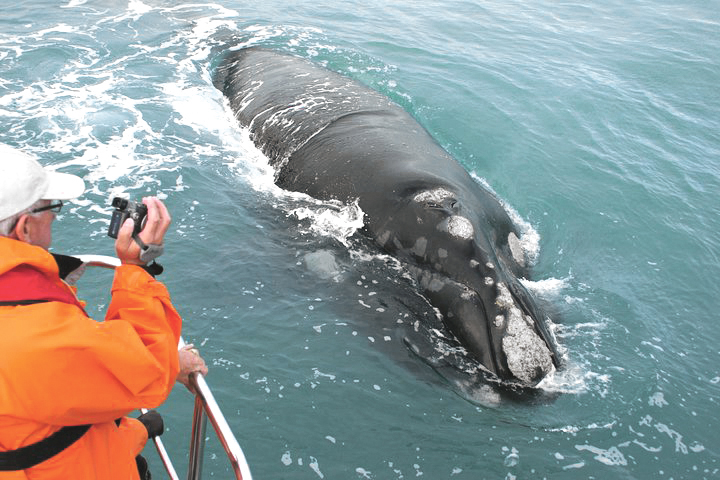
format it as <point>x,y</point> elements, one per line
<point>598,124</point>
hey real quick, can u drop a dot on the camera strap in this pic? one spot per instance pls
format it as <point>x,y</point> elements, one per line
<point>148,254</point>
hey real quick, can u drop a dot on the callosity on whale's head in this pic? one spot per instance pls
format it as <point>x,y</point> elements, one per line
<point>467,262</point>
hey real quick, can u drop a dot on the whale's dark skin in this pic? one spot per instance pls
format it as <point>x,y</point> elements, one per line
<point>332,138</point>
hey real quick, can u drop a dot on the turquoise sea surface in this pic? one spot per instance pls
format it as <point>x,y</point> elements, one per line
<point>597,123</point>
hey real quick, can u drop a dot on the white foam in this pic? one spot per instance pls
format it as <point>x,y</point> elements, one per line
<point>571,379</point>
<point>315,466</point>
<point>610,456</point>
<point>138,8</point>
<point>59,28</point>
<point>332,219</point>
<point>658,400</point>
<point>88,113</point>
<point>549,287</point>
<point>363,473</point>
<point>198,107</point>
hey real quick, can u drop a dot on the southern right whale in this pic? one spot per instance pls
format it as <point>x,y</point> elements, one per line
<point>332,138</point>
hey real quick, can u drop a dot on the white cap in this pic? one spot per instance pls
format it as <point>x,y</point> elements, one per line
<point>23,181</point>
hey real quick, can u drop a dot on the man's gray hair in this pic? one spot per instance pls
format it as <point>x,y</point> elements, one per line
<point>7,225</point>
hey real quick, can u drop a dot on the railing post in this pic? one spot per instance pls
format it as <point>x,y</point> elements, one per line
<point>224,433</point>
<point>164,457</point>
<point>197,440</point>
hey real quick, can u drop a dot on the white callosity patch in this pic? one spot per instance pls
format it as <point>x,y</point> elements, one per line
<point>430,281</point>
<point>516,249</point>
<point>436,283</point>
<point>384,237</point>
<point>457,226</point>
<point>526,352</point>
<point>437,195</point>
<point>468,295</point>
<point>420,246</point>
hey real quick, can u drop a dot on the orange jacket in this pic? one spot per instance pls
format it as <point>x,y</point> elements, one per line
<point>59,367</point>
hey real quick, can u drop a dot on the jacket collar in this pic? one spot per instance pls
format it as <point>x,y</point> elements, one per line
<point>28,272</point>
<point>14,253</point>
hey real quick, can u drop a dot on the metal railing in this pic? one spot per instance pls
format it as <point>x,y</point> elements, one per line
<point>205,408</point>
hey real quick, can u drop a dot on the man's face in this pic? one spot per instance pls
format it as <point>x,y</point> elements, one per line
<point>39,227</point>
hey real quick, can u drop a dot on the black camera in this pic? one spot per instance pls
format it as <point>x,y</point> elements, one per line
<point>125,209</point>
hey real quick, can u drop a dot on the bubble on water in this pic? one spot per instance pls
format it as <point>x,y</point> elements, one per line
<point>512,459</point>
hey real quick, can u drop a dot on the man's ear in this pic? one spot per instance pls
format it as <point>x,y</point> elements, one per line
<point>22,229</point>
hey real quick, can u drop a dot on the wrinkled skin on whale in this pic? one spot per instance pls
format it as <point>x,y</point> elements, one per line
<point>332,138</point>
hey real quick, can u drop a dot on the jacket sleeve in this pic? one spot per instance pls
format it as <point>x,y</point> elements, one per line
<point>70,369</point>
<point>143,302</point>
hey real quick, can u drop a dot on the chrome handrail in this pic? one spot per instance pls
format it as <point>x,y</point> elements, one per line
<point>205,408</point>
<point>164,457</point>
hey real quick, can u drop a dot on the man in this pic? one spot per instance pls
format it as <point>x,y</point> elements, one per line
<point>67,381</point>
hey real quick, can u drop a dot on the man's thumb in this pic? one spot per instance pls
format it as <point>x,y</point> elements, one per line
<point>126,230</point>
<point>128,225</point>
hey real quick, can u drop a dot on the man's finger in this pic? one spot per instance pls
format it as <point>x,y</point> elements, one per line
<point>149,231</point>
<point>164,216</point>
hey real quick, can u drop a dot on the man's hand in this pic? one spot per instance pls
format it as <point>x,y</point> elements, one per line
<point>190,362</point>
<point>156,225</point>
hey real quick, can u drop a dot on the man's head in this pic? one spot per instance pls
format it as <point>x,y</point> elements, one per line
<point>29,196</point>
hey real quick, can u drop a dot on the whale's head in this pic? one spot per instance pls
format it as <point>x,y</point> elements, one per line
<point>466,255</point>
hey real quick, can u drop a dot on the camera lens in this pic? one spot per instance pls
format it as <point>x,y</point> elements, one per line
<point>119,203</point>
